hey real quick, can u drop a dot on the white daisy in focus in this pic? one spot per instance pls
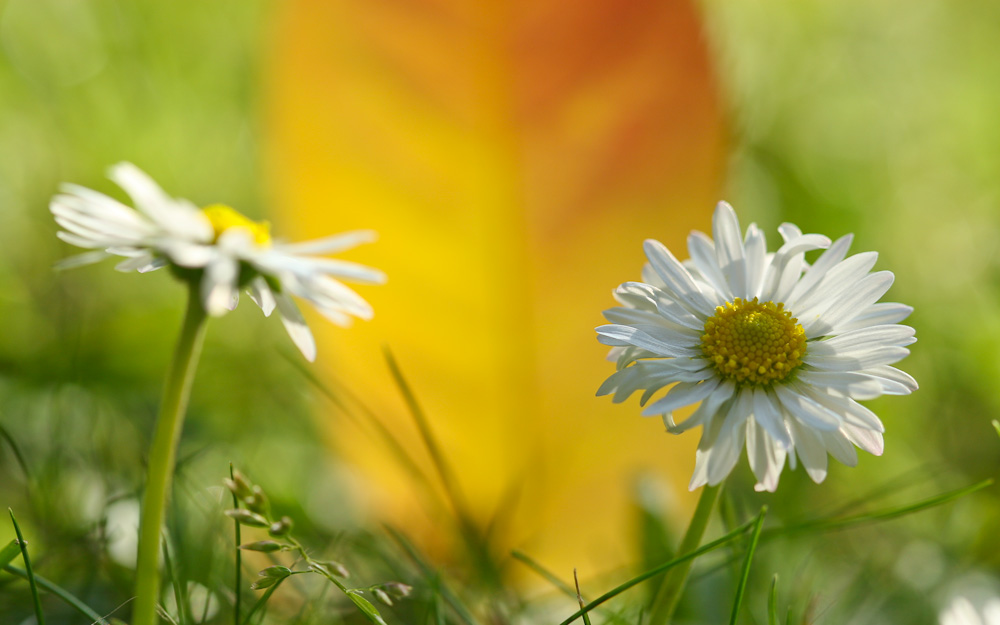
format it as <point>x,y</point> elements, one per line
<point>217,246</point>
<point>961,612</point>
<point>778,352</point>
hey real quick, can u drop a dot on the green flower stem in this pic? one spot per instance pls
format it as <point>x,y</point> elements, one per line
<point>669,594</point>
<point>163,455</point>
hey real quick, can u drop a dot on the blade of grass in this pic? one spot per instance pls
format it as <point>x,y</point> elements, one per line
<point>428,571</point>
<point>617,590</point>
<point>261,601</point>
<point>8,553</point>
<point>437,457</point>
<point>473,538</point>
<point>67,597</point>
<point>826,525</point>
<point>772,602</point>
<point>547,575</point>
<point>579,598</point>
<point>239,556</point>
<point>180,588</point>
<point>384,432</point>
<point>39,617</point>
<point>5,435</point>
<point>745,575</point>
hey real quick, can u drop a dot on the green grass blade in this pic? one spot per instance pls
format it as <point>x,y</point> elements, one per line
<point>745,575</point>
<point>579,599</point>
<point>5,435</point>
<point>474,540</point>
<point>437,456</point>
<point>772,602</point>
<point>547,575</point>
<point>262,601</point>
<point>384,432</point>
<point>67,597</point>
<point>617,590</point>
<point>428,571</point>
<point>366,608</point>
<point>8,553</point>
<point>826,525</point>
<point>238,588</point>
<point>39,617</point>
<point>180,588</point>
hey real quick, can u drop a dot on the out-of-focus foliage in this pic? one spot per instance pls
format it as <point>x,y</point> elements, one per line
<point>877,118</point>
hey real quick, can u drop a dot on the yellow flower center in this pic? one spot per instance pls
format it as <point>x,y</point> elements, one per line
<point>223,218</point>
<point>753,343</point>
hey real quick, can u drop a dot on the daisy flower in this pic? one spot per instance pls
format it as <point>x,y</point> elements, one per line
<point>962,612</point>
<point>777,352</point>
<point>217,246</point>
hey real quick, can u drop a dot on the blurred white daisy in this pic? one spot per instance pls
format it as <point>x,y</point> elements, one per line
<point>777,351</point>
<point>222,249</point>
<point>961,612</point>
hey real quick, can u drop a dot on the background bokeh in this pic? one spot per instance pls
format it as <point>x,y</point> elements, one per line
<point>513,156</point>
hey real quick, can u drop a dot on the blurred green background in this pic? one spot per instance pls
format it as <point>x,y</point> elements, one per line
<point>874,118</point>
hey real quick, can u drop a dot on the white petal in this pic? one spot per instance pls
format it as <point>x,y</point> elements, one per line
<point>79,260</point>
<point>819,269</point>
<point>865,293</point>
<point>894,375</point>
<point>863,340</point>
<point>840,279</point>
<point>868,440</point>
<point>707,410</point>
<point>678,281</point>
<point>296,326</point>
<point>756,260</point>
<point>767,412</point>
<point>134,263</point>
<point>840,448</point>
<point>857,361</point>
<point>663,343</point>
<point>806,410</point>
<point>261,295</point>
<point>218,285</point>
<point>729,247</point>
<point>702,252</point>
<point>187,254</point>
<point>882,313</point>
<point>346,269</point>
<point>682,394</point>
<point>331,244</point>
<point>766,456</point>
<point>853,384</point>
<point>810,450</point>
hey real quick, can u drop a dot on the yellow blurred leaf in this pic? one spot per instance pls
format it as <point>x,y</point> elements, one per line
<point>513,156</point>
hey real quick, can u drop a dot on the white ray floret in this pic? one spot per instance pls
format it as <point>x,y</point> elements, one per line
<point>777,351</point>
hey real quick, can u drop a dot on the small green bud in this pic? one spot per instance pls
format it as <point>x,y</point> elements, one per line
<point>398,590</point>
<point>277,571</point>
<point>265,546</point>
<point>245,517</point>
<point>257,501</point>
<point>381,596</point>
<point>241,486</point>
<point>334,568</point>
<point>280,528</point>
<point>265,582</point>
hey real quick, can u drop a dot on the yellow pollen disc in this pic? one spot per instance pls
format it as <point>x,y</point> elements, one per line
<point>223,218</point>
<point>753,343</point>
